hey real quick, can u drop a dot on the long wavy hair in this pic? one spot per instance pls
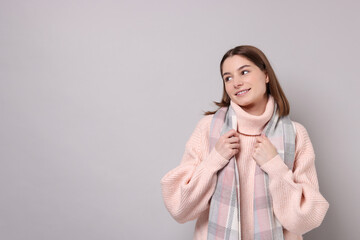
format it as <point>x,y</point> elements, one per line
<point>273,87</point>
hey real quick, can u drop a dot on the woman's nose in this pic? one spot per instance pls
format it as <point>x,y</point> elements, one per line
<point>238,82</point>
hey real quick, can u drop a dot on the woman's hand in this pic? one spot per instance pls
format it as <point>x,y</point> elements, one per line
<point>264,150</point>
<point>228,144</point>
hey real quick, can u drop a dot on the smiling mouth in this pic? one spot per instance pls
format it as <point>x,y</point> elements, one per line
<point>242,92</point>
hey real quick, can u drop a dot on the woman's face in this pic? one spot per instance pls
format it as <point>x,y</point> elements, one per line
<point>245,84</point>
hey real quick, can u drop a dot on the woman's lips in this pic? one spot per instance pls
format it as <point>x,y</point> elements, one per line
<point>243,92</point>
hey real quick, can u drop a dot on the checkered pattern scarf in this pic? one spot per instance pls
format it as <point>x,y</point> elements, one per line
<point>224,216</point>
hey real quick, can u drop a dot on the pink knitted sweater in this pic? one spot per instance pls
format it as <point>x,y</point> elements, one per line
<point>298,204</point>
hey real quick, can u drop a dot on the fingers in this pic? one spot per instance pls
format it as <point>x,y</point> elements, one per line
<point>261,138</point>
<point>230,133</point>
<point>233,140</point>
<point>231,137</point>
<point>228,144</point>
<point>234,145</point>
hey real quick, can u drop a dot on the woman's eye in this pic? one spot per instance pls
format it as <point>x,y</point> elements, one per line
<point>244,72</point>
<point>228,78</point>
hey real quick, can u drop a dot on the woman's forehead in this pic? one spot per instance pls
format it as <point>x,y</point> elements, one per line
<point>236,61</point>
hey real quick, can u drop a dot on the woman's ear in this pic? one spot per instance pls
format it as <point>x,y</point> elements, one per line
<point>267,78</point>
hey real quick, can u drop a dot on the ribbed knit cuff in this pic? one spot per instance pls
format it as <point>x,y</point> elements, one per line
<point>215,161</point>
<point>275,166</point>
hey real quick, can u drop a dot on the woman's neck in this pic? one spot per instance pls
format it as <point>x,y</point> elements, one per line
<point>250,123</point>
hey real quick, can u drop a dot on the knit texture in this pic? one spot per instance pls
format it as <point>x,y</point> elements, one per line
<point>297,202</point>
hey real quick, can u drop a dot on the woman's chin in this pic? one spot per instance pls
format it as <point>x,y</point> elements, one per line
<point>243,104</point>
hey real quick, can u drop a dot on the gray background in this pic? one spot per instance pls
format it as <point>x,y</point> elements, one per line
<point>98,99</point>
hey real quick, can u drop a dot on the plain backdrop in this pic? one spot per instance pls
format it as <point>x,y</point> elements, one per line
<point>98,98</point>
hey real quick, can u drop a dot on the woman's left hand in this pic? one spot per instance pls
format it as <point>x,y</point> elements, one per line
<point>264,150</point>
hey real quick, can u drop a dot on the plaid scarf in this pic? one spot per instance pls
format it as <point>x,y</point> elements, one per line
<point>224,216</point>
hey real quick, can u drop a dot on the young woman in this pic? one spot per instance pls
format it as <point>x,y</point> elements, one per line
<point>248,171</point>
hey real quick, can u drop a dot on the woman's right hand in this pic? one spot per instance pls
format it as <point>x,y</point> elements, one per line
<point>228,144</point>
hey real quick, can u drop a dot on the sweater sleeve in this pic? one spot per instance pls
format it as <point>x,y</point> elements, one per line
<point>188,188</point>
<point>298,204</point>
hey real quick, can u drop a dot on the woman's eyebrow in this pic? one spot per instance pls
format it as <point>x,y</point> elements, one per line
<point>244,66</point>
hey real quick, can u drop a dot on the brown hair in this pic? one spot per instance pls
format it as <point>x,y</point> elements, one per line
<point>273,87</point>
